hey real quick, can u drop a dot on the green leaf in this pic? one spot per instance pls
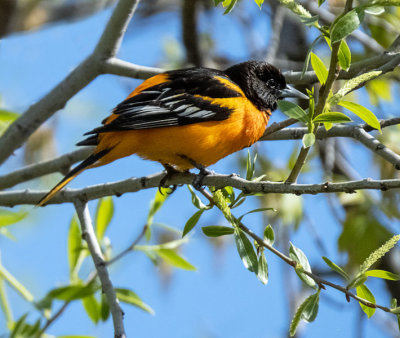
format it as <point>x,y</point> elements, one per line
<point>308,140</point>
<point>303,265</point>
<point>72,292</point>
<point>359,280</point>
<point>269,235</point>
<point>262,273</point>
<point>379,253</point>
<point>382,274</point>
<point>310,21</point>
<point>155,206</point>
<point>171,257</point>
<point>229,4</point>
<point>375,10</point>
<point>217,230</point>
<point>196,200</point>
<point>129,297</point>
<point>344,55</point>
<point>259,2</point>
<point>92,308</point>
<point>4,304</point>
<point>311,309</point>
<point>320,2</point>
<point>293,110</point>
<point>319,68</point>
<point>364,293</point>
<point>192,221</point>
<point>76,254</point>
<point>363,113</point>
<point>332,117</point>
<point>308,56</point>
<point>15,284</point>
<point>250,166</point>
<point>253,211</point>
<point>307,310</point>
<point>104,308</point>
<point>246,251</point>
<point>346,24</point>
<point>6,118</point>
<point>104,214</point>
<point>336,268</point>
<point>8,217</point>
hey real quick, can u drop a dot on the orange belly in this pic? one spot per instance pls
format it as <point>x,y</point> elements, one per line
<point>205,142</point>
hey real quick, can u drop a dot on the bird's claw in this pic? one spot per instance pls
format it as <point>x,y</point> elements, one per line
<point>198,179</point>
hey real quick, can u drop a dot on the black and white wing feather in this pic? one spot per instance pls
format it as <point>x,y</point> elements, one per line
<point>182,100</point>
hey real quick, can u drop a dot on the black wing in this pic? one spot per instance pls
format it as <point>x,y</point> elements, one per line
<point>178,101</point>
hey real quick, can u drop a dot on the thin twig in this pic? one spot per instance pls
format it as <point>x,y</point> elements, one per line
<point>53,318</point>
<point>60,164</point>
<point>97,256</point>
<point>129,248</point>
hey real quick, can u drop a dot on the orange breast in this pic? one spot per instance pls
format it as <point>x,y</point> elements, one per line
<point>205,142</point>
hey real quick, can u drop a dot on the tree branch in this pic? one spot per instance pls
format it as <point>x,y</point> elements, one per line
<point>60,164</point>
<point>18,197</point>
<point>97,256</point>
<point>19,131</point>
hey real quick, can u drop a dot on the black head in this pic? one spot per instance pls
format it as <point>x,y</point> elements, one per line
<point>261,82</point>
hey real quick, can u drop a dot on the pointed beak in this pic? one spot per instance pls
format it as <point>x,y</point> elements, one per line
<point>291,92</point>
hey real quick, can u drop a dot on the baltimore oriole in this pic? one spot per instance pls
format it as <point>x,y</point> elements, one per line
<point>187,118</point>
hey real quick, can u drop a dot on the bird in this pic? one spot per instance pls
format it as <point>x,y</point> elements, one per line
<point>187,118</point>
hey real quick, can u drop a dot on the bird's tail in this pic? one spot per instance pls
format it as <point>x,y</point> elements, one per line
<point>86,164</point>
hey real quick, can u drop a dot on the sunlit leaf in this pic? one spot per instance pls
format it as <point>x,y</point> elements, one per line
<point>196,200</point>
<point>346,24</point>
<point>308,55</point>
<point>310,311</point>
<point>319,68</point>
<point>104,214</point>
<point>363,113</point>
<point>364,293</point>
<point>8,217</point>
<point>254,211</point>
<point>262,273</point>
<point>72,292</point>
<point>130,297</point>
<point>332,117</point>
<point>298,256</point>
<point>192,221</point>
<point>171,257</point>
<point>259,2</point>
<point>336,268</point>
<point>293,110</point>
<point>269,235</point>
<point>246,251</point>
<point>344,55</point>
<point>375,10</point>
<point>308,140</point>
<point>217,230</point>
<point>92,308</point>
<point>382,274</point>
<point>15,284</point>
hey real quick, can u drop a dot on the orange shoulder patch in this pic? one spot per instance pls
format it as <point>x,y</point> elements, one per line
<point>154,80</point>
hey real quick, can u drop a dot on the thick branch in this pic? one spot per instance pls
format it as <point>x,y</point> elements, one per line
<point>12,198</point>
<point>97,256</point>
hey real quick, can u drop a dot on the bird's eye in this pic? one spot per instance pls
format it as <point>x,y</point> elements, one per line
<point>271,83</point>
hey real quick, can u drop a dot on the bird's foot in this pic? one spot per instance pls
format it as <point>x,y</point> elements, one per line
<point>170,172</point>
<point>198,179</point>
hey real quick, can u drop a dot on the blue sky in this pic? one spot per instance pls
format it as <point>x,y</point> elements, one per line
<point>221,299</point>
